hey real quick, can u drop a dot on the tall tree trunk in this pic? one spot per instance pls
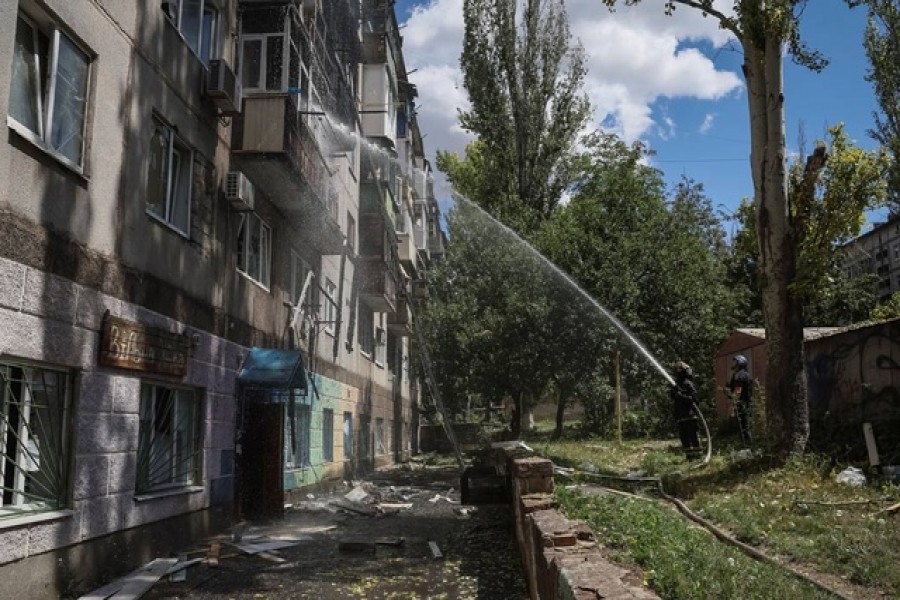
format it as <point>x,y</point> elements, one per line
<point>560,412</point>
<point>787,410</point>
<point>515,424</point>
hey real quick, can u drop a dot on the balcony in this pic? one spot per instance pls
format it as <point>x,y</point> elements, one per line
<point>273,144</point>
<point>400,321</point>
<point>378,284</point>
<point>406,250</point>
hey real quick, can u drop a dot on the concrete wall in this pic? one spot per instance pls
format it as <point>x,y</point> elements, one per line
<point>63,332</point>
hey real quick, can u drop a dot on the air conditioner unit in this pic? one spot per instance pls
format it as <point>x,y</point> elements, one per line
<point>239,191</point>
<point>223,87</point>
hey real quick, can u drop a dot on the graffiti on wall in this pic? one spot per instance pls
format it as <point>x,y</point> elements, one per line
<point>854,378</point>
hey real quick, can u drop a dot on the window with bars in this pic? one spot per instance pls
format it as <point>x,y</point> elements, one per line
<point>35,437</point>
<point>170,442</point>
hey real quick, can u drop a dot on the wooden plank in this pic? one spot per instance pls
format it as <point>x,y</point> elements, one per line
<point>212,557</point>
<point>264,546</point>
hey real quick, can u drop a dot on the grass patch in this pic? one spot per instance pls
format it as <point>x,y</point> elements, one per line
<point>680,562</point>
<point>769,506</point>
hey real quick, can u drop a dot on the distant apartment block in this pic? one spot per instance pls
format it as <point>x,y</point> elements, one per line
<point>876,252</point>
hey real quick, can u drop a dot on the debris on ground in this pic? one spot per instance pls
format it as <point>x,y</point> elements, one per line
<point>357,494</point>
<point>851,476</point>
<point>136,583</point>
<point>435,550</point>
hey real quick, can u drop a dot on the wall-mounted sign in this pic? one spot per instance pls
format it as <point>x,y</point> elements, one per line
<point>129,345</point>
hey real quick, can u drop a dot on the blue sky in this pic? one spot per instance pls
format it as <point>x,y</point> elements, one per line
<point>678,73</point>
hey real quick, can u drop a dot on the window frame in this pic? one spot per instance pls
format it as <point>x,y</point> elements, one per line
<point>327,435</point>
<point>45,97</point>
<point>175,145</point>
<point>23,460</point>
<point>193,475</point>
<point>178,23</point>
<point>301,457</point>
<point>347,429</point>
<point>366,335</point>
<point>243,254</point>
<point>263,39</point>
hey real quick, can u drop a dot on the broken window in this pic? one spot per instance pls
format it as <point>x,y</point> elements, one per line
<point>328,435</point>
<point>35,433</point>
<point>170,443</point>
<point>348,435</point>
<point>379,436</point>
<point>298,455</point>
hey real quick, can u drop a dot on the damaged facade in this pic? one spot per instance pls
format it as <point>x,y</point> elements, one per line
<point>185,185</point>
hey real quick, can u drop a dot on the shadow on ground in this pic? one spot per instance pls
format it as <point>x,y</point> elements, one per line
<point>479,559</point>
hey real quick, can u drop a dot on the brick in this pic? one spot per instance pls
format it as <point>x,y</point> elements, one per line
<point>532,467</point>
<point>535,502</point>
<point>90,306</point>
<point>49,296</point>
<point>12,278</point>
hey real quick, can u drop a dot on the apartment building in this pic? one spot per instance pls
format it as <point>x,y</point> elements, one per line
<point>215,218</point>
<point>878,252</point>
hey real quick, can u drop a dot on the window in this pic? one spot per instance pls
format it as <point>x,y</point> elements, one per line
<point>170,444</point>
<point>328,435</point>
<point>49,90</point>
<point>329,306</point>
<point>198,22</point>
<point>169,177</point>
<point>297,443</point>
<point>300,270</point>
<point>896,252</point>
<point>254,249</point>
<point>380,343</point>
<point>351,232</point>
<point>35,436</point>
<point>348,436</point>
<point>270,50</point>
<point>366,330</point>
<point>365,436</point>
<point>379,436</point>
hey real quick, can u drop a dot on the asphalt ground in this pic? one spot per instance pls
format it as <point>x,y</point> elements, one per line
<point>354,549</point>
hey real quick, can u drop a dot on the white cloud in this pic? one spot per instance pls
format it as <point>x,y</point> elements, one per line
<point>636,56</point>
<point>707,123</point>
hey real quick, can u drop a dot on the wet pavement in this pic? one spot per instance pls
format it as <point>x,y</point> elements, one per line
<point>357,547</point>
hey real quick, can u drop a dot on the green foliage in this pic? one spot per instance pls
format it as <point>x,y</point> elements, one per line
<point>851,183</point>
<point>888,310</point>
<point>882,42</point>
<point>658,266</point>
<point>524,79</point>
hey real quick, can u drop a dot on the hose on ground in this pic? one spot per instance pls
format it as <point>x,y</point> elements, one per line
<point>721,535</point>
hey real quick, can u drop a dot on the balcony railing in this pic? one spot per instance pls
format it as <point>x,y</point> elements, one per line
<point>274,145</point>
<point>399,322</point>
<point>378,284</point>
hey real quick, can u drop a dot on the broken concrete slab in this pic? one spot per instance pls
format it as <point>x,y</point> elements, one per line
<point>357,494</point>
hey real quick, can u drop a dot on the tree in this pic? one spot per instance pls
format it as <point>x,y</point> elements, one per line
<point>524,83</point>
<point>882,41</point>
<point>830,211</point>
<point>658,265</point>
<point>764,29</point>
<point>488,314</point>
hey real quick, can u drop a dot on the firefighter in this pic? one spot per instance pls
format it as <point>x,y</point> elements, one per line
<point>740,389</point>
<point>684,397</point>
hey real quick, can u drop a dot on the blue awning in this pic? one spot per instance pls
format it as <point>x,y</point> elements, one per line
<point>273,369</point>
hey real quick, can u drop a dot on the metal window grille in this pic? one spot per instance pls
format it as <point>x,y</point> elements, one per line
<point>35,433</point>
<point>170,444</point>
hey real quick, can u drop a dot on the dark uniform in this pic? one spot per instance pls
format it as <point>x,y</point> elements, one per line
<point>684,396</point>
<point>741,380</point>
